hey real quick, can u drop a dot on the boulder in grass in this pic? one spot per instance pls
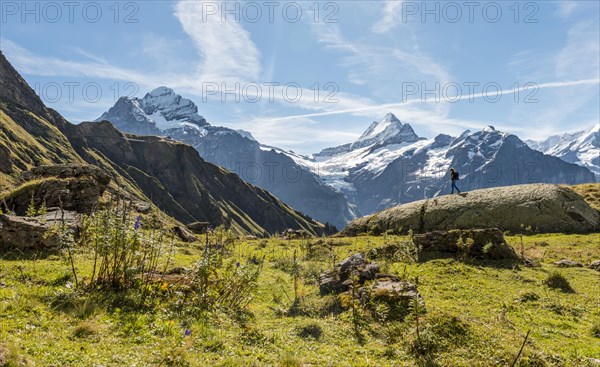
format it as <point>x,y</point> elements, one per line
<point>184,234</point>
<point>372,286</point>
<point>595,265</point>
<point>340,278</point>
<point>567,263</point>
<point>198,227</point>
<point>488,243</point>
<point>36,233</point>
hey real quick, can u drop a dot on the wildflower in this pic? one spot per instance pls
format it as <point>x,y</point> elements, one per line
<point>218,246</point>
<point>237,264</point>
<point>188,332</point>
<point>138,223</point>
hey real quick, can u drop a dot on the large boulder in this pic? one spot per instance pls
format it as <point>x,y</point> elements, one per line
<point>341,277</point>
<point>184,234</point>
<point>73,187</point>
<point>41,232</point>
<point>486,243</point>
<point>198,227</point>
<point>539,207</point>
<point>392,290</point>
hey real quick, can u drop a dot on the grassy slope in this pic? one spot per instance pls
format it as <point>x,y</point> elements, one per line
<point>590,193</point>
<point>486,299</point>
<point>26,151</point>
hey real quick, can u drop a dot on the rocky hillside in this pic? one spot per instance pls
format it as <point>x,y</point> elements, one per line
<point>519,208</point>
<point>182,184</point>
<point>29,133</point>
<point>170,174</point>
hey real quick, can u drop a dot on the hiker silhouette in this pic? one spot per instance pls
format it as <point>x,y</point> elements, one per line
<point>454,176</point>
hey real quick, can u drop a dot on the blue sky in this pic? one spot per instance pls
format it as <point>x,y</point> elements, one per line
<point>366,58</point>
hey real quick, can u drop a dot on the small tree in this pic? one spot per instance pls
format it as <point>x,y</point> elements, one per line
<point>31,210</point>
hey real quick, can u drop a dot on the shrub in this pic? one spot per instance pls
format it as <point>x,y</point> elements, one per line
<point>528,297</point>
<point>125,256</point>
<point>10,356</point>
<point>310,330</point>
<point>218,281</point>
<point>557,281</point>
<point>439,334</point>
<point>285,264</point>
<point>289,360</point>
<point>176,357</point>
<point>85,329</point>
<point>375,230</point>
<point>596,330</point>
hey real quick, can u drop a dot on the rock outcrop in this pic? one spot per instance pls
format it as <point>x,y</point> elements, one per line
<point>74,187</point>
<point>486,243</point>
<point>538,207</point>
<point>371,286</point>
<point>41,232</point>
<point>184,234</point>
<point>198,227</point>
<point>568,263</point>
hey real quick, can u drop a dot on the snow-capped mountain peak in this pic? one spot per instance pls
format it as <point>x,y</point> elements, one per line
<point>389,130</point>
<point>582,148</point>
<point>389,124</point>
<point>170,110</point>
<point>159,110</point>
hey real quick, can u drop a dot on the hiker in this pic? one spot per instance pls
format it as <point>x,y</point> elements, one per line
<point>454,178</point>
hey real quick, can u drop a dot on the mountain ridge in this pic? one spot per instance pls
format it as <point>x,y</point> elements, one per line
<point>581,148</point>
<point>388,164</point>
<point>235,150</point>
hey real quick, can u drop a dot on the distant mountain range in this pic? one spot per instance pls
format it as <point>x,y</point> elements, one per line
<point>163,112</point>
<point>581,148</point>
<point>389,164</point>
<point>162,171</point>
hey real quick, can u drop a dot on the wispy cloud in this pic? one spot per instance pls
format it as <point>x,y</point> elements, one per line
<point>392,13</point>
<point>565,8</point>
<point>30,63</point>
<point>226,48</point>
<point>576,68</point>
<point>463,97</point>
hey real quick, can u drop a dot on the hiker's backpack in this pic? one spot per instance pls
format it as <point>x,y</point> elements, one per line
<point>456,175</point>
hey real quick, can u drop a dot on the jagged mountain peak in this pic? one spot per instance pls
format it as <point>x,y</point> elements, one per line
<point>169,109</point>
<point>161,91</point>
<point>388,124</point>
<point>159,110</point>
<point>582,148</point>
<point>388,130</point>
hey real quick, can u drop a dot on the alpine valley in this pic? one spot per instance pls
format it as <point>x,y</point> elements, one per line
<point>389,164</point>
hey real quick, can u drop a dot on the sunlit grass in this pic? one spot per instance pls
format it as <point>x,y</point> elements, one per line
<point>477,313</point>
